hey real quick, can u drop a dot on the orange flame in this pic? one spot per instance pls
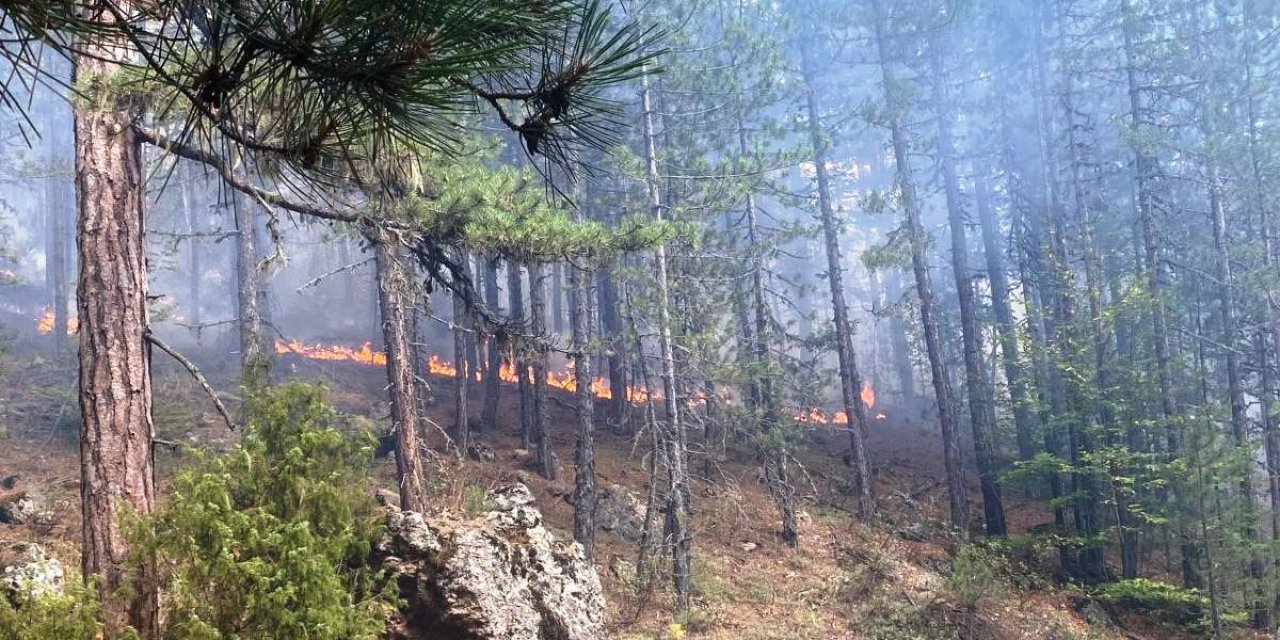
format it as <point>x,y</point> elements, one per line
<point>45,324</point>
<point>558,380</point>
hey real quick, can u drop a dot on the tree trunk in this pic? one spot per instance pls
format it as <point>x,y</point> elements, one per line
<point>615,348</point>
<point>521,361</point>
<point>584,451</point>
<point>195,270</point>
<point>116,466</point>
<point>678,496</point>
<point>462,362</point>
<point>538,326</point>
<point>394,299</point>
<point>493,369</point>
<point>900,345</point>
<point>254,360</point>
<point>981,412</point>
<point>956,489</point>
<point>850,377</point>
<point>1006,326</point>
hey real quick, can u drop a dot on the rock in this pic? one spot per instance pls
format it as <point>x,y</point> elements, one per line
<point>500,576</point>
<point>749,546</point>
<point>520,454</point>
<point>31,572</point>
<point>26,508</point>
<point>619,512</point>
<point>481,452</point>
<point>1093,613</point>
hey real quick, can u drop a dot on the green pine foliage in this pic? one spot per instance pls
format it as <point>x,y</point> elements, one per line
<point>73,616</point>
<point>272,540</point>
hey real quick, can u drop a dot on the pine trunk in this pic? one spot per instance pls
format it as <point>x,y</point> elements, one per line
<point>981,411</point>
<point>850,377</point>
<point>394,299</point>
<point>918,241</point>
<point>678,495</point>
<point>493,367</point>
<point>116,466</point>
<point>538,326</point>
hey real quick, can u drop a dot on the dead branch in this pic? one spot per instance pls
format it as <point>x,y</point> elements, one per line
<point>195,373</point>
<point>316,280</point>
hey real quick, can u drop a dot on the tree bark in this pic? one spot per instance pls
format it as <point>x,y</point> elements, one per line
<point>116,466</point>
<point>584,451</point>
<point>981,411</point>
<point>1006,326</point>
<point>956,489</point>
<point>493,368</point>
<point>462,362</point>
<point>850,377</point>
<point>394,299</point>
<point>255,362</point>
<point>538,326</point>
<point>678,496</point>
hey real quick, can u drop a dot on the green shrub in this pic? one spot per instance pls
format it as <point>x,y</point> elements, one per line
<point>974,576</point>
<point>67,617</point>
<point>272,540</point>
<point>1178,605</point>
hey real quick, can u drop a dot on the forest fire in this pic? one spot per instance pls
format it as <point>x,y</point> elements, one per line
<point>564,381</point>
<point>45,324</point>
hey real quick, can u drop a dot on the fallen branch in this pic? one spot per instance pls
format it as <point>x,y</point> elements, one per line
<point>195,373</point>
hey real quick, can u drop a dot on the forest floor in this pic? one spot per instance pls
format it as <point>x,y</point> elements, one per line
<point>844,581</point>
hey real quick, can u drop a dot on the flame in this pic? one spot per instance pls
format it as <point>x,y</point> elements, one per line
<point>564,381</point>
<point>45,324</point>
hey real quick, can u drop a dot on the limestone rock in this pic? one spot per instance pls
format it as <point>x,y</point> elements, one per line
<point>619,512</point>
<point>500,576</point>
<point>30,572</point>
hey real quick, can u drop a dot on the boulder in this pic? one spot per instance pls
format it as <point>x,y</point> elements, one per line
<point>619,512</point>
<point>30,572</point>
<point>26,507</point>
<point>481,452</point>
<point>502,575</point>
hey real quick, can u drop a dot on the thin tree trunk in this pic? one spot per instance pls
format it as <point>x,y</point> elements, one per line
<point>956,489</point>
<point>462,362</point>
<point>584,451</point>
<point>678,498</point>
<point>850,377</point>
<point>116,466</point>
<point>254,361</point>
<point>615,347</point>
<point>538,326</point>
<point>394,300</point>
<point>195,275</point>
<point>521,362</point>
<point>981,412</point>
<point>493,370</point>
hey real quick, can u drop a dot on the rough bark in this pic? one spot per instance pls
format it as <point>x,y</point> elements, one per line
<point>584,451</point>
<point>394,300</point>
<point>116,466</point>
<point>254,358</point>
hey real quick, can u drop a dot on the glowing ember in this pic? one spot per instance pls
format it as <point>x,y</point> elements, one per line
<point>45,324</point>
